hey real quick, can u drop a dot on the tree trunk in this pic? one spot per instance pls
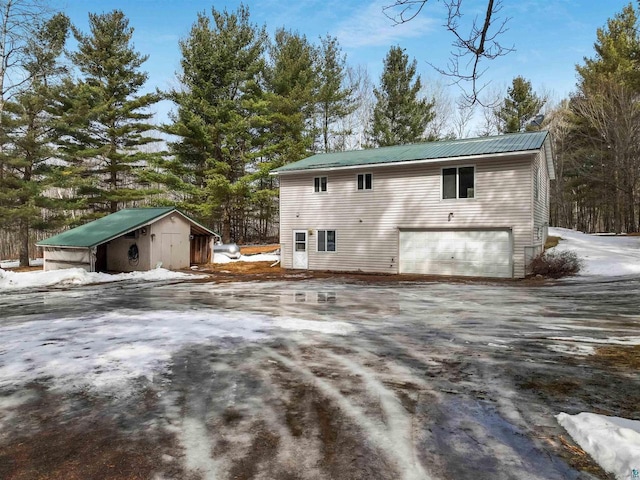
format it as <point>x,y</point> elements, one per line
<point>24,243</point>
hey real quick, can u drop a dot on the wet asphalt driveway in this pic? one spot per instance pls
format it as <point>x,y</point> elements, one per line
<point>313,379</point>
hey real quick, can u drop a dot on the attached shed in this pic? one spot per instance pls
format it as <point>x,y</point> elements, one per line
<point>134,239</point>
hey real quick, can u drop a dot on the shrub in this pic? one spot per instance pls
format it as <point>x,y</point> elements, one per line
<point>556,264</point>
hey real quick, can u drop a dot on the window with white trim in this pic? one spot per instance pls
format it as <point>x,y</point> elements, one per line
<point>536,183</point>
<point>365,181</point>
<point>320,184</point>
<point>326,240</point>
<point>458,182</point>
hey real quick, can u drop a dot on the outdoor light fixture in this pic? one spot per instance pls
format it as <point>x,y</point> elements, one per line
<point>450,217</point>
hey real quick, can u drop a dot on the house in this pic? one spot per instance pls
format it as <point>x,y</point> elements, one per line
<point>471,207</point>
<point>133,239</point>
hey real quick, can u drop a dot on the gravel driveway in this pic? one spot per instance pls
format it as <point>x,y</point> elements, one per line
<point>312,379</point>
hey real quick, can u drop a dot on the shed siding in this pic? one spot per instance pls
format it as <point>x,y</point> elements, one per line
<point>58,258</point>
<point>118,253</point>
<point>404,196</point>
<point>170,244</point>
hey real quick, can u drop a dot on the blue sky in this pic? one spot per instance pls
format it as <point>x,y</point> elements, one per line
<point>549,37</point>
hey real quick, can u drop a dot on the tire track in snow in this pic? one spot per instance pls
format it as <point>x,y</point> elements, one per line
<point>387,439</point>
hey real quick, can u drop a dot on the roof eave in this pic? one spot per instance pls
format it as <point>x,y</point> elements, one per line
<point>409,162</point>
<point>134,228</point>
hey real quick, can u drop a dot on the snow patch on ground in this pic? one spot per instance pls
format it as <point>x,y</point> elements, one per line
<point>104,352</point>
<point>613,442</point>
<point>260,257</point>
<point>607,255</point>
<point>34,262</point>
<point>339,328</point>
<point>77,276</point>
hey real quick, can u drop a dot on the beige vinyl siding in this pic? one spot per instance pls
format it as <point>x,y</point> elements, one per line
<point>367,223</point>
<point>541,205</point>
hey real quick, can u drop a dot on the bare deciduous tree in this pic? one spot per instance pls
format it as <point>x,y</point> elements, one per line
<point>19,20</point>
<point>472,44</point>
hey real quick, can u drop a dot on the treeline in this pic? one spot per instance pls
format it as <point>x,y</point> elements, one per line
<point>597,136</point>
<point>77,139</point>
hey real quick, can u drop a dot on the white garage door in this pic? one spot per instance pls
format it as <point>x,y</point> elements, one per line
<point>478,253</point>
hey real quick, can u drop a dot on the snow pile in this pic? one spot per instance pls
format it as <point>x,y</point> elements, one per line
<point>613,442</point>
<point>34,262</point>
<point>260,257</point>
<point>77,276</point>
<point>608,255</point>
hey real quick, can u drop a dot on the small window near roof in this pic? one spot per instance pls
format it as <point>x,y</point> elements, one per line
<point>365,181</point>
<point>320,184</point>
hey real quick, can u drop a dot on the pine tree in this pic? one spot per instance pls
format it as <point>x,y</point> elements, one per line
<point>104,124</point>
<point>519,107</point>
<point>400,116</point>
<point>291,87</point>
<point>617,52</point>
<point>217,116</point>
<point>286,129</point>
<point>336,100</point>
<point>27,138</point>
<point>607,119</point>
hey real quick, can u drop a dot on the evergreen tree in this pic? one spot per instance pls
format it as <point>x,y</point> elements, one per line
<point>617,53</point>
<point>519,107</point>
<point>286,128</point>
<point>27,138</point>
<point>291,87</point>
<point>336,100</point>
<point>400,116</point>
<point>104,123</point>
<point>607,121</point>
<point>218,112</point>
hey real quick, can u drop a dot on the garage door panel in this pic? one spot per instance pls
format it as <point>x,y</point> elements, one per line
<point>485,253</point>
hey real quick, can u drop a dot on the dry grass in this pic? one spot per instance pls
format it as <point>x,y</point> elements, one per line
<point>551,242</point>
<point>621,356</point>
<point>254,249</point>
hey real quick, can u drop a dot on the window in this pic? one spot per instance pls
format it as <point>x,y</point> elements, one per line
<point>326,240</point>
<point>365,181</point>
<point>320,184</point>
<point>458,182</point>
<point>536,183</point>
<point>301,242</point>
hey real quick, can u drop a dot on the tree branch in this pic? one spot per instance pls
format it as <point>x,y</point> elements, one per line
<point>478,44</point>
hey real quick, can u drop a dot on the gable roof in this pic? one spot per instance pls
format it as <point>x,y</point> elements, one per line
<point>430,151</point>
<point>113,226</point>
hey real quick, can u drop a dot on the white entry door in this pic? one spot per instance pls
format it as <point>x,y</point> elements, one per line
<point>300,254</point>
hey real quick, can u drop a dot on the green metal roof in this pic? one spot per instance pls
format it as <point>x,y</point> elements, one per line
<point>509,143</point>
<point>106,228</point>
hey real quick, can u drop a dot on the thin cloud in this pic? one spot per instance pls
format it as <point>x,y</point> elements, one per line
<point>370,27</point>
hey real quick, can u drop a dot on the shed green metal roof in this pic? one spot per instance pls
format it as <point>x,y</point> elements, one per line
<point>509,143</point>
<point>106,228</point>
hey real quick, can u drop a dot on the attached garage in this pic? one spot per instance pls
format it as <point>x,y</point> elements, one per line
<point>475,253</point>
